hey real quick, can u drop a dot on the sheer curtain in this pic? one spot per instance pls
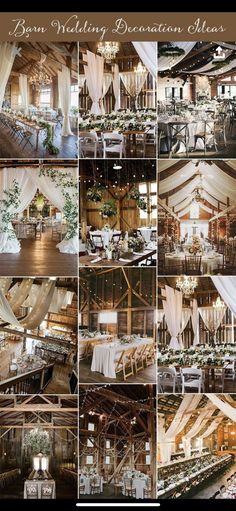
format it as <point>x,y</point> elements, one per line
<point>64,93</point>
<point>23,83</point>
<point>212,317</point>
<point>133,82</point>
<point>107,79</point>
<point>160,316</point>
<point>94,76</point>
<point>195,322</point>
<point>186,314</point>
<point>116,87</point>
<point>147,51</point>
<point>226,286</point>
<point>8,240</point>
<point>7,56</point>
<point>173,314</point>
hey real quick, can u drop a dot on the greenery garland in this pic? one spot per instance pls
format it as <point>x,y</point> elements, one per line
<point>95,193</point>
<point>69,189</point>
<point>38,442</point>
<point>48,141</point>
<point>8,206</point>
<point>170,51</point>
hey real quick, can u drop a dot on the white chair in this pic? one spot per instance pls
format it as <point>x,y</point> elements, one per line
<point>229,367</point>
<point>113,143</point>
<point>192,379</point>
<point>167,378</point>
<point>88,144</point>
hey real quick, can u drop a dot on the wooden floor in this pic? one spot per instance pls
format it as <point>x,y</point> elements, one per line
<point>61,372</point>
<point>15,490</point>
<point>38,258</point>
<point>109,493</point>
<point>223,152</point>
<point>87,376</point>
<point>10,148</point>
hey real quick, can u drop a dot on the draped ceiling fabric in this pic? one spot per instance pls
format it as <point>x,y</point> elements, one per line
<point>226,287</point>
<point>64,93</point>
<point>18,293</point>
<point>61,298</point>
<point>28,181</point>
<point>23,83</point>
<point>167,438</point>
<point>173,314</point>
<point>116,87</point>
<point>169,62</point>
<point>7,57</point>
<point>38,312</point>
<point>195,429</point>
<point>147,52</point>
<point>94,77</point>
<point>215,183</point>
<point>212,317</point>
<point>5,283</point>
<point>227,409</point>
<point>195,322</point>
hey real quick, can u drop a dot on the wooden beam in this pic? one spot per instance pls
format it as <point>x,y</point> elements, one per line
<point>167,209</point>
<point>223,213</point>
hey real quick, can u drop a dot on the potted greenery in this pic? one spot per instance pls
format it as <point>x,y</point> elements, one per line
<point>95,193</point>
<point>108,209</point>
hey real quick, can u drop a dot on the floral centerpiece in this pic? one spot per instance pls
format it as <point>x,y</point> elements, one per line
<point>126,339</point>
<point>136,243</point>
<point>95,193</point>
<point>196,245</point>
<point>108,209</point>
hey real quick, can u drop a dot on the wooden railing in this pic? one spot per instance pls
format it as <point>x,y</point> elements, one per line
<point>32,381</point>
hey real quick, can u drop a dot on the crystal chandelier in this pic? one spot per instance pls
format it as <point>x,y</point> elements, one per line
<point>218,304</point>
<point>186,284</point>
<point>108,50</point>
<point>140,69</point>
<point>40,78</point>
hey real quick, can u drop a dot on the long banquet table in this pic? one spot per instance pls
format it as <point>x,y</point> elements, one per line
<point>104,355</point>
<point>209,262</point>
<point>34,482</point>
<point>131,260</point>
<point>32,125</point>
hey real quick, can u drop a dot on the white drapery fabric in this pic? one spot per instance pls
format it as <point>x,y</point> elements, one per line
<point>8,240</point>
<point>7,56</point>
<point>18,293</point>
<point>58,299</point>
<point>160,315</point>
<point>227,409</point>
<point>61,298</point>
<point>186,314</point>
<point>23,83</point>
<point>226,287</point>
<point>133,82</point>
<point>5,283</point>
<point>36,315</point>
<point>147,52</point>
<point>169,62</point>
<point>94,76</point>
<point>167,438</point>
<point>116,87</point>
<point>81,81</point>
<point>195,429</point>
<point>107,79</point>
<point>212,317</point>
<point>212,427</point>
<point>195,322</point>
<point>173,313</point>
<point>64,94</point>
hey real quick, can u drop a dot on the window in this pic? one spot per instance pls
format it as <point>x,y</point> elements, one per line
<point>89,460</point>
<point>19,100</point>
<point>148,459</point>
<point>89,443</point>
<point>91,426</point>
<point>194,210</point>
<point>147,446</point>
<point>45,97</point>
<point>74,95</point>
<point>108,444</point>
<point>107,460</point>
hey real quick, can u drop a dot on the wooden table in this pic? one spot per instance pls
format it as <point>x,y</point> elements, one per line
<point>31,125</point>
<point>132,259</point>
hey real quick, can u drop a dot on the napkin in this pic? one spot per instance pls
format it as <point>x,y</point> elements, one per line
<point>140,253</point>
<point>125,260</point>
<point>96,260</point>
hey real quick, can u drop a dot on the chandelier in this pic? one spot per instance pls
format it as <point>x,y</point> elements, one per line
<point>186,284</point>
<point>197,192</point>
<point>218,304</point>
<point>108,50</point>
<point>140,69</point>
<point>40,78</point>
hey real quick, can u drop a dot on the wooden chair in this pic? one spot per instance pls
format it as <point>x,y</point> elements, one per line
<point>178,132</point>
<point>125,362</point>
<point>208,135</point>
<point>97,240</point>
<point>118,485</point>
<point>115,238</point>
<point>147,491</point>
<point>150,354</point>
<point>192,265</point>
<point>96,485</point>
<point>139,358</point>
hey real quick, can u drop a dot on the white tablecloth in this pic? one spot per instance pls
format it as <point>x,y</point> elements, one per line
<point>86,480</point>
<point>50,482</point>
<point>106,235</point>
<point>139,484</point>
<point>90,340</point>
<point>104,356</point>
<point>146,233</point>
<point>209,262</point>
